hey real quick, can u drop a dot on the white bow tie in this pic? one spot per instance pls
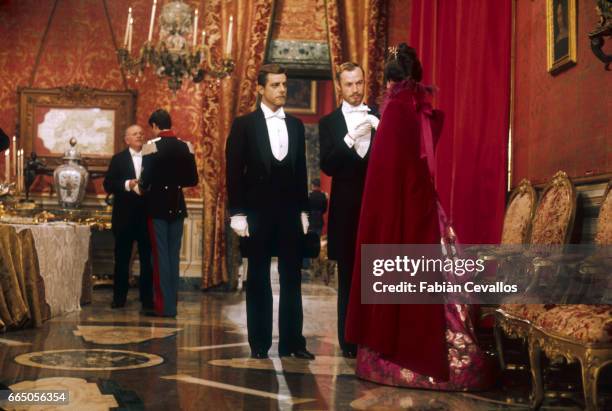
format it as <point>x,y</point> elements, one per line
<point>358,109</point>
<point>278,114</point>
<point>137,155</point>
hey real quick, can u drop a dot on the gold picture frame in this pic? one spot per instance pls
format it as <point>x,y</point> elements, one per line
<point>560,34</point>
<point>96,118</point>
<point>301,96</point>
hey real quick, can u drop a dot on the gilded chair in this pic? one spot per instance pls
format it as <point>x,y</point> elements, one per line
<point>519,213</point>
<point>516,230</point>
<point>578,332</point>
<point>552,225</point>
<point>516,226</point>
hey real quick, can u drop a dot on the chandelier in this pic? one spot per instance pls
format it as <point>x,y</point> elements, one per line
<point>173,57</point>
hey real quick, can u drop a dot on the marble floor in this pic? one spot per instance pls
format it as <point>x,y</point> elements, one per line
<point>119,359</point>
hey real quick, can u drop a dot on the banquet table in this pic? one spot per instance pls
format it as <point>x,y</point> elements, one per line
<point>45,271</point>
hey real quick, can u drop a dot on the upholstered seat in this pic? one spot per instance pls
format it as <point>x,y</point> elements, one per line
<point>576,332</point>
<point>528,312</point>
<point>552,224</point>
<point>589,324</point>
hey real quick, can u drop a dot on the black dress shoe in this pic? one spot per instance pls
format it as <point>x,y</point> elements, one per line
<point>116,304</point>
<point>303,354</point>
<point>259,355</point>
<point>349,354</point>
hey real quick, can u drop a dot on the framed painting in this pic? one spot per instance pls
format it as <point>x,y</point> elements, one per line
<point>301,96</point>
<point>50,118</point>
<point>560,34</point>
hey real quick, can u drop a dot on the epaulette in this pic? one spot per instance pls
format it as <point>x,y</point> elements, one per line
<point>189,145</point>
<point>150,147</point>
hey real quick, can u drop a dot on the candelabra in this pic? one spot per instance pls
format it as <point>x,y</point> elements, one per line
<point>173,57</point>
<point>601,31</point>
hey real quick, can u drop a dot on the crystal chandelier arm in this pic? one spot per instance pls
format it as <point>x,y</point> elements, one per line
<point>172,57</point>
<point>218,71</point>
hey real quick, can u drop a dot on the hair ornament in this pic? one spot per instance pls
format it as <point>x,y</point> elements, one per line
<point>393,52</point>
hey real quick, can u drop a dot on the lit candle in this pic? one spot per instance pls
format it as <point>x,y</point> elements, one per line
<point>19,154</point>
<point>14,156</point>
<point>7,166</point>
<point>130,35</point>
<point>22,170</point>
<point>152,20</point>
<point>127,28</point>
<point>228,46</point>
<point>195,29</point>
<point>203,38</point>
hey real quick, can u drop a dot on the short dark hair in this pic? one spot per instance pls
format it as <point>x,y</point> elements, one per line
<point>315,182</point>
<point>161,118</point>
<point>262,76</point>
<point>347,66</point>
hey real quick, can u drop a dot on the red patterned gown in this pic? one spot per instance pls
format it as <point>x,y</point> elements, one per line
<point>421,346</point>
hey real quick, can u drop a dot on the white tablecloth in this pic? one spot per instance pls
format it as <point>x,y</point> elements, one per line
<point>63,251</point>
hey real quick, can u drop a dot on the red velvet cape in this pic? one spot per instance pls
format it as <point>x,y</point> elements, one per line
<point>399,207</point>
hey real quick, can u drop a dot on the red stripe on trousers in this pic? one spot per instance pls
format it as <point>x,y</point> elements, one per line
<point>158,297</point>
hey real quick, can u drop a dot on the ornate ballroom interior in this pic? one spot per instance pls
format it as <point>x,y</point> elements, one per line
<point>525,157</point>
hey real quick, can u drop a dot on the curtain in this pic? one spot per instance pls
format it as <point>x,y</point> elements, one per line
<point>357,31</point>
<point>465,51</point>
<point>222,101</point>
<point>22,291</point>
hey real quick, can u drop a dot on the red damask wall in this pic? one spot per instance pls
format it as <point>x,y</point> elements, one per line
<point>80,49</point>
<point>399,12</point>
<point>561,122</point>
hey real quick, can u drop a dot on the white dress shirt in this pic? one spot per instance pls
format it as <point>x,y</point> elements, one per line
<point>353,116</point>
<point>279,143</point>
<point>277,131</point>
<point>137,161</point>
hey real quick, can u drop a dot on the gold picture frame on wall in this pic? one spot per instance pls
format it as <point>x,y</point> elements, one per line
<point>49,118</point>
<point>560,34</point>
<point>301,96</point>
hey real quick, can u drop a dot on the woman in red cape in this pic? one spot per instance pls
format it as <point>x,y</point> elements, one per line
<point>423,346</point>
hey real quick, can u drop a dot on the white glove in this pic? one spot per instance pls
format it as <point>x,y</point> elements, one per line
<point>304,217</point>
<point>373,120</point>
<point>239,225</point>
<point>362,129</point>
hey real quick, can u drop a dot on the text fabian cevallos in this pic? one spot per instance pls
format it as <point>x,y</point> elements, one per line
<point>451,267</point>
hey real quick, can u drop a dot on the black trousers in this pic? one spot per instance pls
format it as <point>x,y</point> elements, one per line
<point>124,240</point>
<point>276,231</point>
<point>345,275</point>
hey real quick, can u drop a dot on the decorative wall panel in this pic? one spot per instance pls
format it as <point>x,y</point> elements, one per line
<point>300,20</point>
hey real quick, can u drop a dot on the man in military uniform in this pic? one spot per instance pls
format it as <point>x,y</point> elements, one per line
<point>168,165</point>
